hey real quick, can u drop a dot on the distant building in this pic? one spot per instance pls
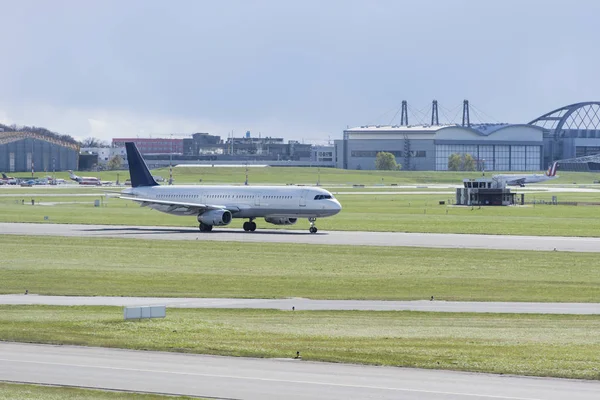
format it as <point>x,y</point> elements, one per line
<point>485,192</point>
<point>568,133</point>
<point>323,153</point>
<point>105,153</point>
<point>206,148</point>
<point>202,144</point>
<point>27,151</point>
<point>494,147</point>
<point>267,148</point>
<point>152,145</point>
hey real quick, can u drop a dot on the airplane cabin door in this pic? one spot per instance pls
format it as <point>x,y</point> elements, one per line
<point>303,198</point>
<point>257,199</point>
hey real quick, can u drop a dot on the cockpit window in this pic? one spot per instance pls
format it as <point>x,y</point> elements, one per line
<point>323,196</point>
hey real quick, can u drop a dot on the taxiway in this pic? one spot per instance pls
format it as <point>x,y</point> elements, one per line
<point>437,240</point>
<point>264,379</point>
<point>299,304</point>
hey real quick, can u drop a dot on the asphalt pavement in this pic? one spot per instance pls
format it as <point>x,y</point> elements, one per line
<point>433,240</point>
<point>266,379</point>
<point>308,304</point>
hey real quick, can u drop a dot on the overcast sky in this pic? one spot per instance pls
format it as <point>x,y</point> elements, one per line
<point>297,69</point>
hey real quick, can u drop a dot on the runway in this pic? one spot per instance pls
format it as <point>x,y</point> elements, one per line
<point>264,379</point>
<point>435,240</point>
<point>300,304</point>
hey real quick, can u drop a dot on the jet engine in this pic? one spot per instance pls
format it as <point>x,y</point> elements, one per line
<point>215,217</point>
<point>281,220</point>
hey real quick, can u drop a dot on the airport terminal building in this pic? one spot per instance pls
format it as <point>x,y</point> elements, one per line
<point>565,133</point>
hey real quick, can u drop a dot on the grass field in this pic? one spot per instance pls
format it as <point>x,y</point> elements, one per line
<point>11,391</point>
<point>363,212</point>
<point>306,175</point>
<point>541,345</point>
<point>131,267</point>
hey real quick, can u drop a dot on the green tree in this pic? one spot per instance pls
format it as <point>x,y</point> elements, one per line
<point>468,162</point>
<point>114,162</point>
<point>454,162</point>
<point>94,142</point>
<point>385,161</point>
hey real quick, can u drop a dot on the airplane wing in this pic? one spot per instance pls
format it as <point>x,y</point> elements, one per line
<point>519,182</point>
<point>192,207</point>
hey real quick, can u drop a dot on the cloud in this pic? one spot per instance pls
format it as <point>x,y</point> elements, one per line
<point>296,70</point>
<point>106,124</point>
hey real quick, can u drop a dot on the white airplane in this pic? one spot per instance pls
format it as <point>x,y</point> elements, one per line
<point>521,180</point>
<point>87,180</point>
<point>218,205</point>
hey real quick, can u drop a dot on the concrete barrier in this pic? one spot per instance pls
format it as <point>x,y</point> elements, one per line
<point>144,312</point>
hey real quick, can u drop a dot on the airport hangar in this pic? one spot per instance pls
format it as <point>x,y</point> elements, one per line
<point>570,133</point>
<point>23,151</point>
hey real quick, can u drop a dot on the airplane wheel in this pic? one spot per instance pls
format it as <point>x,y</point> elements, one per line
<point>246,226</point>
<point>252,226</point>
<point>205,228</point>
<point>313,229</point>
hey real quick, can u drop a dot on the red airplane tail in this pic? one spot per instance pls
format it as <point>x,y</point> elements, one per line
<point>552,170</point>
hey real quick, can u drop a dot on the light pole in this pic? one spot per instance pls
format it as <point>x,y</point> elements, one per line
<point>319,176</point>
<point>171,162</point>
<point>32,162</point>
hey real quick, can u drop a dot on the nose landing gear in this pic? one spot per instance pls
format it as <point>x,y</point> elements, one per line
<point>313,228</point>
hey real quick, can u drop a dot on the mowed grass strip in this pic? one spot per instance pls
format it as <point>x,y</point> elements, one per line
<point>363,212</point>
<point>541,345</point>
<point>310,175</point>
<point>134,267</point>
<point>11,391</point>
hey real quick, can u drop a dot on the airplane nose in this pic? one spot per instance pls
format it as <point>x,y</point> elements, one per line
<point>337,206</point>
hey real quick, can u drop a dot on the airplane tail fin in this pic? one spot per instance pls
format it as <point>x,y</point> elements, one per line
<point>552,170</point>
<point>4,176</point>
<point>138,170</point>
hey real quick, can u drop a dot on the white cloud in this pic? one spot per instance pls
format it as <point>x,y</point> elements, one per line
<point>107,124</point>
<point>298,71</point>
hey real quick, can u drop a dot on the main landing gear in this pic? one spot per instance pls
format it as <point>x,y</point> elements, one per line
<point>313,228</point>
<point>249,226</point>
<point>205,228</point>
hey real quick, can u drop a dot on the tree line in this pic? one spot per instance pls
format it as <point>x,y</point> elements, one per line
<point>385,161</point>
<point>87,142</point>
<point>39,131</point>
<point>461,162</point>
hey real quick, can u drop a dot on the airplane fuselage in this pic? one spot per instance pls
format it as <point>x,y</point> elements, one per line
<point>524,179</point>
<point>243,201</point>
